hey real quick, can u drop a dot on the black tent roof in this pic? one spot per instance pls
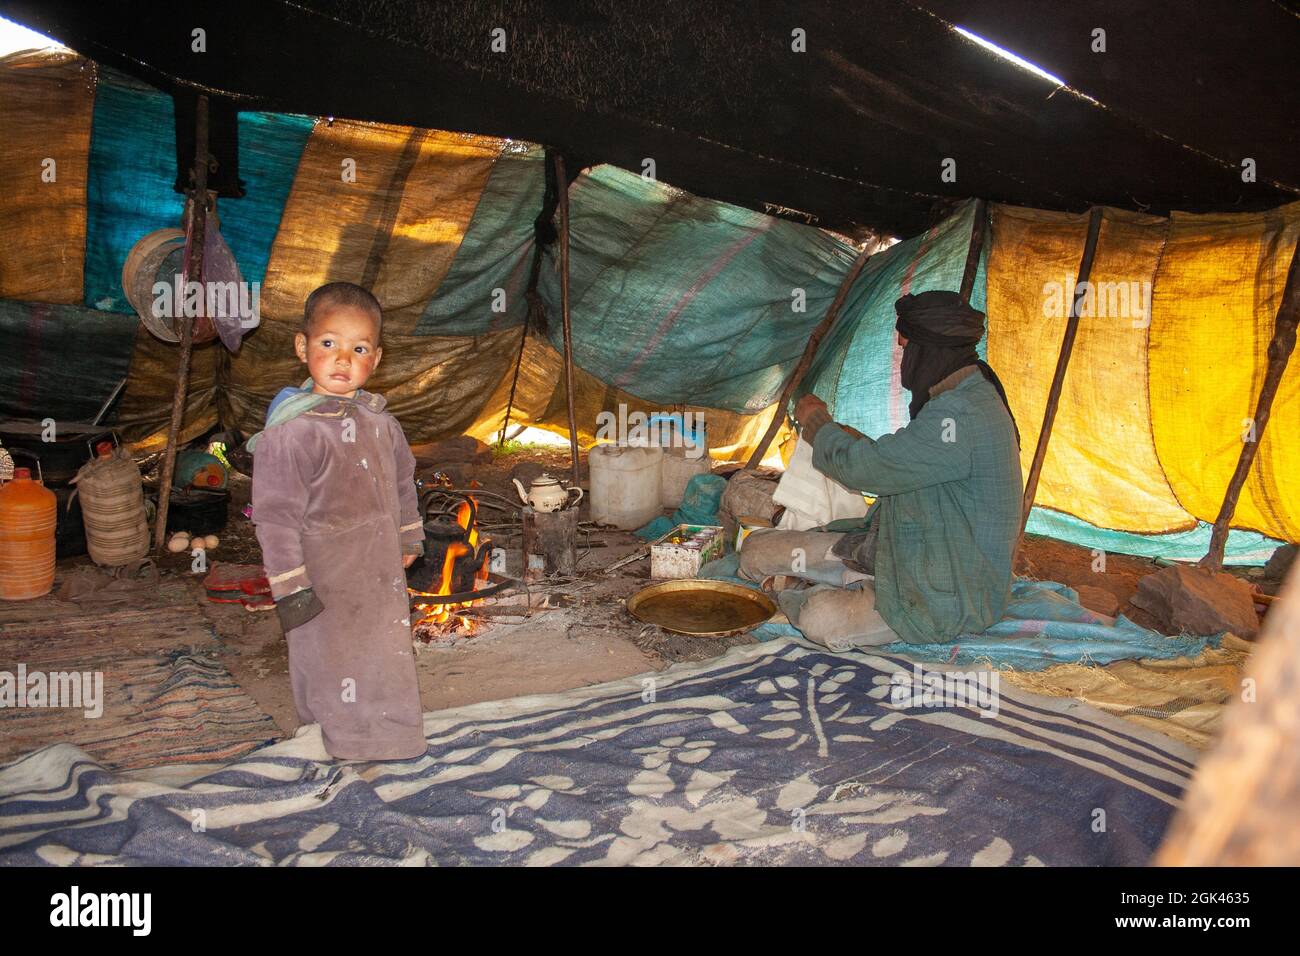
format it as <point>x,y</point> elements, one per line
<point>853,131</point>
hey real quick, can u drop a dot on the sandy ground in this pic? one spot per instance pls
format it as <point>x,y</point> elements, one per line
<point>590,640</point>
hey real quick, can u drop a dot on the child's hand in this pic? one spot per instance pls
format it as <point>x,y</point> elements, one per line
<point>408,560</point>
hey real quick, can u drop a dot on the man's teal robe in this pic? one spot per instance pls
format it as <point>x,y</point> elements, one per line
<point>950,491</point>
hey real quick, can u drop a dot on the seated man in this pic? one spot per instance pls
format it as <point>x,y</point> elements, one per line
<point>932,559</point>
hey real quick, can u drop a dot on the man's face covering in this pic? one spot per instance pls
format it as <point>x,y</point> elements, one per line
<point>942,331</point>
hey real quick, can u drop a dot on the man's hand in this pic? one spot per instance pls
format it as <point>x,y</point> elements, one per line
<point>408,560</point>
<point>804,408</point>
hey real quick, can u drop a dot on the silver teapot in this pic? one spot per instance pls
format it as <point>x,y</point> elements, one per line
<point>547,494</point>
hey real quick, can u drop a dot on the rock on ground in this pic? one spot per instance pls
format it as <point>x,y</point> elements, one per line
<point>1192,600</point>
<point>1280,563</point>
<point>1098,599</point>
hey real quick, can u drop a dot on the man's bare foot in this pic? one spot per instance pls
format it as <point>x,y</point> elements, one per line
<point>782,582</point>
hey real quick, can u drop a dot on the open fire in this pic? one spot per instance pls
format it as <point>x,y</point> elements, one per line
<point>455,563</point>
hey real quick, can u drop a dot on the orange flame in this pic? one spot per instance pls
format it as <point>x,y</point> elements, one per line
<point>442,613</point>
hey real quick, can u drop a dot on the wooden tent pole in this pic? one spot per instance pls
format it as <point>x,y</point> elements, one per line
<point>514,382</point>
<point>1062,363</point>
<point>1279,354</point>
<point>535,313</point>
<point>979,226</point>
<point>809,352</point>
<point>197,230</point>
<point>562,184</point>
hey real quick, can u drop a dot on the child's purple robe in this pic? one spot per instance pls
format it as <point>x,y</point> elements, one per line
<point>335,506</point>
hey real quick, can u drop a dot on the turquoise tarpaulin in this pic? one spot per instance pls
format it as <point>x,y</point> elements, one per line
<point>678,299</point>
<point>495,253</point>
<point>132,172</point>
<point>856,369</point>
<point>1044,624</point>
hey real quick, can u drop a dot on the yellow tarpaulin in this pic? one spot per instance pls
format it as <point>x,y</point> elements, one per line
<point>385,207</point>
<point>1216,299</point>
<point>46,101</point>
<point>1101,463</point>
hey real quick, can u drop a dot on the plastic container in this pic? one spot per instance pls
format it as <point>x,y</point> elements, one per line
<point>27,518</point>
<point>686,453</point>
<point>626,485</point>
<point>112,507</point>
<point>198,469</point>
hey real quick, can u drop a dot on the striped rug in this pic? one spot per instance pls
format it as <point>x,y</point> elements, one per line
<point>775,753</point>
<point>165,698</point>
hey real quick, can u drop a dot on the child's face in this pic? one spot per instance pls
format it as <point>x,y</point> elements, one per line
<point>342,350</point>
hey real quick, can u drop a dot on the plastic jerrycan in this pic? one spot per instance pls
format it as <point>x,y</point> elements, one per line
<point>626,484</point>
<point>27,515</point>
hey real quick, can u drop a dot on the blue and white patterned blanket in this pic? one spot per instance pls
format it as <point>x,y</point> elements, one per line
<point>774,753</point>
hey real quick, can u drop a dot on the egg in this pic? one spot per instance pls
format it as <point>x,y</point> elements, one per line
<point>178,543</point>
<point>211,541</point>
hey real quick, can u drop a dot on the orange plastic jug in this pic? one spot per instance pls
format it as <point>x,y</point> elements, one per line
<point>27,515</point>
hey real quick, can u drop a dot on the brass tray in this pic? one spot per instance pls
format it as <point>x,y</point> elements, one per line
<point>701,607</point>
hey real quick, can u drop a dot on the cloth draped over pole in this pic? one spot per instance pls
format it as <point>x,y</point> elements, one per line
<point>544,234</point>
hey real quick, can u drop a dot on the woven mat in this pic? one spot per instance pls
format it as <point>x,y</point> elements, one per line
<point>1184,698</point>
<point>165,697</point>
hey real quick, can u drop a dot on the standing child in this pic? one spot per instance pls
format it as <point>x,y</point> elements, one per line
<point>337,518</point>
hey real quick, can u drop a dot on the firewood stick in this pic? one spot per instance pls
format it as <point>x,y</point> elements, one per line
<point>636,555</point>
<point>501,610</point>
